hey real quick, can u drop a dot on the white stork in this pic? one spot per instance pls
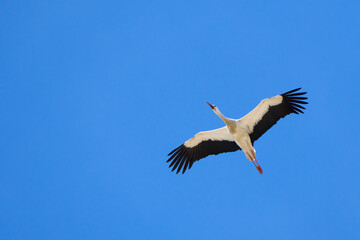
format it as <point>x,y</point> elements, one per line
<point>238,134</point>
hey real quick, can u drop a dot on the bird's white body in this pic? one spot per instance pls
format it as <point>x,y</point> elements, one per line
<point>238,133</point>
<point>236,130</point>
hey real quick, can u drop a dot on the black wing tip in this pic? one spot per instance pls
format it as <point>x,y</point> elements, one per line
<point>183,158</point>
<point>175,149</point>
<point>295,102</point>
<point>179,160</point>
<point>294,92</point>
<point>291,91</point>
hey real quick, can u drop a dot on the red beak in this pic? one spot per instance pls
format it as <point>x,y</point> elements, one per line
<point>212,106</point>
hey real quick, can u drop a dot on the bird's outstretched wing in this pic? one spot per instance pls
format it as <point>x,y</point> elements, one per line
<point>201,145</point>
<point>270,110</point>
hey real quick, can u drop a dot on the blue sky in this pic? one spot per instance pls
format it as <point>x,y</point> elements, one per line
<point>94,94</point>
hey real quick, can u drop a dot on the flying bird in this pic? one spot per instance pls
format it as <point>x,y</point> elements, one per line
<point>238,134</point>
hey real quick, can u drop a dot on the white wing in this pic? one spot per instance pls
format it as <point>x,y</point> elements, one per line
<point>220,134</point>
<point>200,146</point>
<point>271,110</point>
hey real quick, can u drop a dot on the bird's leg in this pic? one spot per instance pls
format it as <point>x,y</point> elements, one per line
<point>257,165</point>
<point>252,156</point>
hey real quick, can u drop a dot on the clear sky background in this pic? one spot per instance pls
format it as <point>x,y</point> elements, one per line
<point>94,94</point>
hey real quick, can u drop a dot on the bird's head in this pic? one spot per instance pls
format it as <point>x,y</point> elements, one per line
<point>213,107</point>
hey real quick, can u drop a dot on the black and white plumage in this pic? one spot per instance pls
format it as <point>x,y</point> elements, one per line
<point>238,134</point>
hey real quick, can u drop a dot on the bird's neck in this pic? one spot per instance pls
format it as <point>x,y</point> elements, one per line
<point>225,119</point>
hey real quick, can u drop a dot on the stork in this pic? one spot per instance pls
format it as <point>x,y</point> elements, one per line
<point>238,134</point>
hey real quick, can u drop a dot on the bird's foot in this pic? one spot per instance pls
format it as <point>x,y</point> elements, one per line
<point>257,165</point>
